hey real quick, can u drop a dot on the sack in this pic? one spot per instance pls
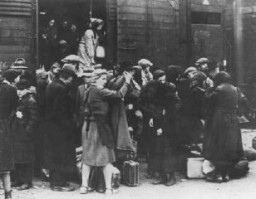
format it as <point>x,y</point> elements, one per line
<point>250,154</point>
<point>100,52</point>
<point>208,167</point>
<point>131,173</point>
<point>240,169</point>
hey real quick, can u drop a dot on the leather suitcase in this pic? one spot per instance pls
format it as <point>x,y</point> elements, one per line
<point>131,173</point>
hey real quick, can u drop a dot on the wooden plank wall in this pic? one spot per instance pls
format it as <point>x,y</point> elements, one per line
<point>148,29</point>
<point>17,30</point>
<point>208,38</point>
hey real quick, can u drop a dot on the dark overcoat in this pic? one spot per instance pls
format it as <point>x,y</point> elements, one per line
<point>118,117</point>
<point>222,141</point>
<point>8,102</point>
<point>59,147</point>
<point>23,127</point>
<point>160,102</point>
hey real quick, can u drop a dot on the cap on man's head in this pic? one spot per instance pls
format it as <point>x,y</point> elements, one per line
<point>202,60</point>
<point>69,69</point>
<point>19,63</point>
<point>145,63</point>
<point>72,59</point>
<point>158,73</point>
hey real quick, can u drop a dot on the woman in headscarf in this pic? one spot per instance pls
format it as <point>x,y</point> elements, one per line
<point>222,140</point>
<point>97,136</point>
<point>89,42</point>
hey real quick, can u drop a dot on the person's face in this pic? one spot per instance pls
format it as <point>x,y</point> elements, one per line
<point>65,24</point>
<point>21,93</point>
<point>102,81</point>
<point>146,69</point>
<point>162,79</point>
<point>100,27</point>
<point>204,67</point>
<point>51,23</point>
<point>73,28</point>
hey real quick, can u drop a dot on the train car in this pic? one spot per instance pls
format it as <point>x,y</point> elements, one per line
<point>18,31</point>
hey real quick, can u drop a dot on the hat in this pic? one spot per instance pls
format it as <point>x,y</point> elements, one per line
<point>55,65</point>
<point>23,84</point>
<point>189,70</point>
<point>137,67</point>
<point>157,74</point>
<point>72,58</point>
<point>145,63</point>
<point>202,60</point>
<point>69,69</point>
<point>63,42</point>
<point>19,63</point>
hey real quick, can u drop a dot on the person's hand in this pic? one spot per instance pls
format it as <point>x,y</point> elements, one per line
<point>151,122</point>
<point>138,114</point>
<point>127,77</point>
<point>159,132</point>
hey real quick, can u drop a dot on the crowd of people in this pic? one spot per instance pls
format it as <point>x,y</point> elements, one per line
<point>45,116</point>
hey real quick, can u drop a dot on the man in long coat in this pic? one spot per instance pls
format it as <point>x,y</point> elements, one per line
<point>59,148</point>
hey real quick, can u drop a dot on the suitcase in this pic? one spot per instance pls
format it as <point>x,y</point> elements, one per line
<point>195,168</point>
<point>131,173</point>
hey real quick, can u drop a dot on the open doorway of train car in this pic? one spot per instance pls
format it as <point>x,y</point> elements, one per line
<point>76,14</point>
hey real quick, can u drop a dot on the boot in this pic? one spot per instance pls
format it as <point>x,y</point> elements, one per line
<point>8,195</point>
<point>170,179</point>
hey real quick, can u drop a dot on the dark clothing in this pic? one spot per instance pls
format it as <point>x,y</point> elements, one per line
<point>23,127</point>
<point>59,147</point>
<point>23,173</point>
<point>160,102</point>
<point>118,116</point>
<point>189,125</point>
<point>98,102</point>
<point>8,102</point>
<point>222,141</point>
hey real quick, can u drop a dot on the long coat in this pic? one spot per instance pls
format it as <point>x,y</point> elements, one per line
<point>8,102</point>
<point>160,102</point>
<point>118,117</point>
<point>59,147</point>
<point>222,141</point>
<point>87,48</point>
<point>23,127</point>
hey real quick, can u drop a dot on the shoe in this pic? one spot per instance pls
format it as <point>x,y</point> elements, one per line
<point>158,181</point>
<point>170,180</point>
<point>214,178</point>
<point>64,188</point>
<point>24,187</point>
<point>8,195</point>
<point>85,190</point>
<point>100,190</point>
<point>225,178</point>
<point>111,191</point>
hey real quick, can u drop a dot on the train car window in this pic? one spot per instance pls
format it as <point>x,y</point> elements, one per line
<point>205,18</point>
